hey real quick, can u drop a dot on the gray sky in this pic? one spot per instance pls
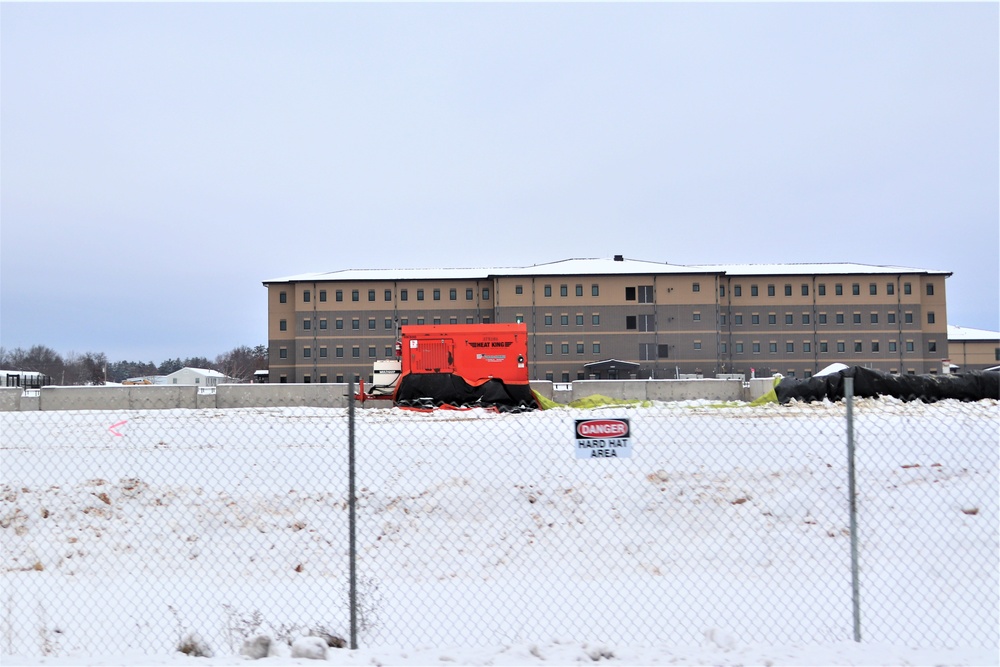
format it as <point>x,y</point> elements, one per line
<point>159,161</point>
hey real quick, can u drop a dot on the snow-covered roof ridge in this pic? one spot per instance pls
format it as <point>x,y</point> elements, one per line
<point>968,333</point>
<point>604,266</point>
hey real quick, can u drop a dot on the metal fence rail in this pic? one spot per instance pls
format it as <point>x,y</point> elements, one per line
<point>156,529</point>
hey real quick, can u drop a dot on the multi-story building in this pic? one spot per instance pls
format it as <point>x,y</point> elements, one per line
<point>621,318</point>
<point>973,349</point>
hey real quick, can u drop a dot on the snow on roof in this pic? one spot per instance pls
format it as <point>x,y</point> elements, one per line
<point>965,333</point>
<point>599,266</point>
<point>843,268</point>
<point>207,372</point>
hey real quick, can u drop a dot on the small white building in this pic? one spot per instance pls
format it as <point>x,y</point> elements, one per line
<point>200,377</point>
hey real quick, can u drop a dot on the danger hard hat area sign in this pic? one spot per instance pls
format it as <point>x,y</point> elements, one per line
<point>603,438</point>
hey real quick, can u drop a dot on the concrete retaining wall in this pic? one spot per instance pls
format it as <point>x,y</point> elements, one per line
<point>283,395</point>
<point>226,396</point>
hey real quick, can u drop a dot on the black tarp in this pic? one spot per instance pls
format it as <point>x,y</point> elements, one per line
<point>868,383</point>
<point>435,389</point>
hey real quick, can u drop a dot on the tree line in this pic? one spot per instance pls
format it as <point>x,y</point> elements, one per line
<point>94,367</point>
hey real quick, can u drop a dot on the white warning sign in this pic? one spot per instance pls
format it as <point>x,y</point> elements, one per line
<point>603,439</point>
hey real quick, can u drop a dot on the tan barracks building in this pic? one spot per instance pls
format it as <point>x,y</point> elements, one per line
<point>619,318</point>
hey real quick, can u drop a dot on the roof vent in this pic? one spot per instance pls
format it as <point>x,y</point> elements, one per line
<point>619,258</point>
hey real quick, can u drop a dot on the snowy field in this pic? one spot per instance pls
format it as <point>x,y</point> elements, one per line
<point>481,539</point>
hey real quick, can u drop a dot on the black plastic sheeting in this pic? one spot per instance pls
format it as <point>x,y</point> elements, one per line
<point>435,389</point>
<point>868,383</point>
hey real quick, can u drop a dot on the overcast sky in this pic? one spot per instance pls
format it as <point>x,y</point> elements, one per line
<point>159,161</point>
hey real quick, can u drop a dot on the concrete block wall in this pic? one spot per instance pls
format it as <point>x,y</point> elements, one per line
<point>139,397</point>
<point>283,395</point>
<point>10,399</point>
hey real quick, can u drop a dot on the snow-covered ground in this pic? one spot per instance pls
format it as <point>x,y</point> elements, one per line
<point>722,540</point>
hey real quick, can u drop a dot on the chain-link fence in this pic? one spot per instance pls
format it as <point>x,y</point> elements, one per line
<point>153,530</point>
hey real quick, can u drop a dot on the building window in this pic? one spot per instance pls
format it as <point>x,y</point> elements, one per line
<point>322,296</point>
<point>355,295</point>
<point>722,320</point>
<point>891,317</point>
<point>755,319</point>
<point>563,290</point>
<point>755,348</point>
<point>647,323</point>
<point>548,320</point>
<point>772,318</point>
<point>564,348</point>
<point>486,294</point>
<point>874,346</point>
<point>387,296</point>
<point>723,348</point>
<point>282,297</point>
<point>454,320</point>
<point>738,320</point>
<point>856,318</point>
<point>697,317</point>
<point>437,320</point>
<point>469,296</point>
<point>890,288</point>
<point>597,349</point>
<point>857,346</point>
<point>322,324</point>
<point>322,352</point>
<point>307,324</point>
<point>371,295</point>
<point>645,294</point>
<point>806,346</point>
<point>518,289</point>
<point>874,318</point>
<point>753,290</point>
<point>840,318</point>
<point>404,294</point>
<point>789,347</point>
<point>931,346</point>
<point>855,289</point>
<point>872,289</point>
<point>371,322</point>
<point>282,325</point>
<point>907,288</point>
<point>579,348</point>
<point>930,289</point>
<point>595,319</point>
<point>371,352</point>
<point>420,320</point>
<point>548,348</point>
<point>283,353</point>
<point>306,296</point>
<point>356,352</point>
<point>436,295</point>
<point>697,345</point>
<point>547,290</point>
<point>453,293</point>
<point>738,348</point>
<point>772,347</point>
<point>805,318</point>
<point>579,290</point>
<point>841,347</point>
<point>595,290</point>
<point>579,320</point>
<point>388,323</point>
<point>805,289</point>
<point>892,346</point>
<point>695,287</point>
<point>838,289</point>
<point>306,352</point>
<point>630,322</point>
<point>788,290</point>
<point>823,348</point>
<point>821,318</point>
<point>339,295</point>
<point>355,323</point>
<point>908,318</point>
<point>722,290</point>
<point>821,289</point>
<point>737,290</point>
<point>339,323</point>
<point>930,318</point>
<point>339,353</point>
<point>420,295</point>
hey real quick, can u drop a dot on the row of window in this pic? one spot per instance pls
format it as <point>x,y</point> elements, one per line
<point>387,322</point>
<point>641,293</point>
<point>821,318</point>
<point>823,347</point>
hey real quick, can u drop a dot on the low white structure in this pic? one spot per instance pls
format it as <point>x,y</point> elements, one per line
<point>200,377</point>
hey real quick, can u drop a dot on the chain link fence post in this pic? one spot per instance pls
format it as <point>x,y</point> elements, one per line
<point>853,500</point>
<point>351,520</point>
